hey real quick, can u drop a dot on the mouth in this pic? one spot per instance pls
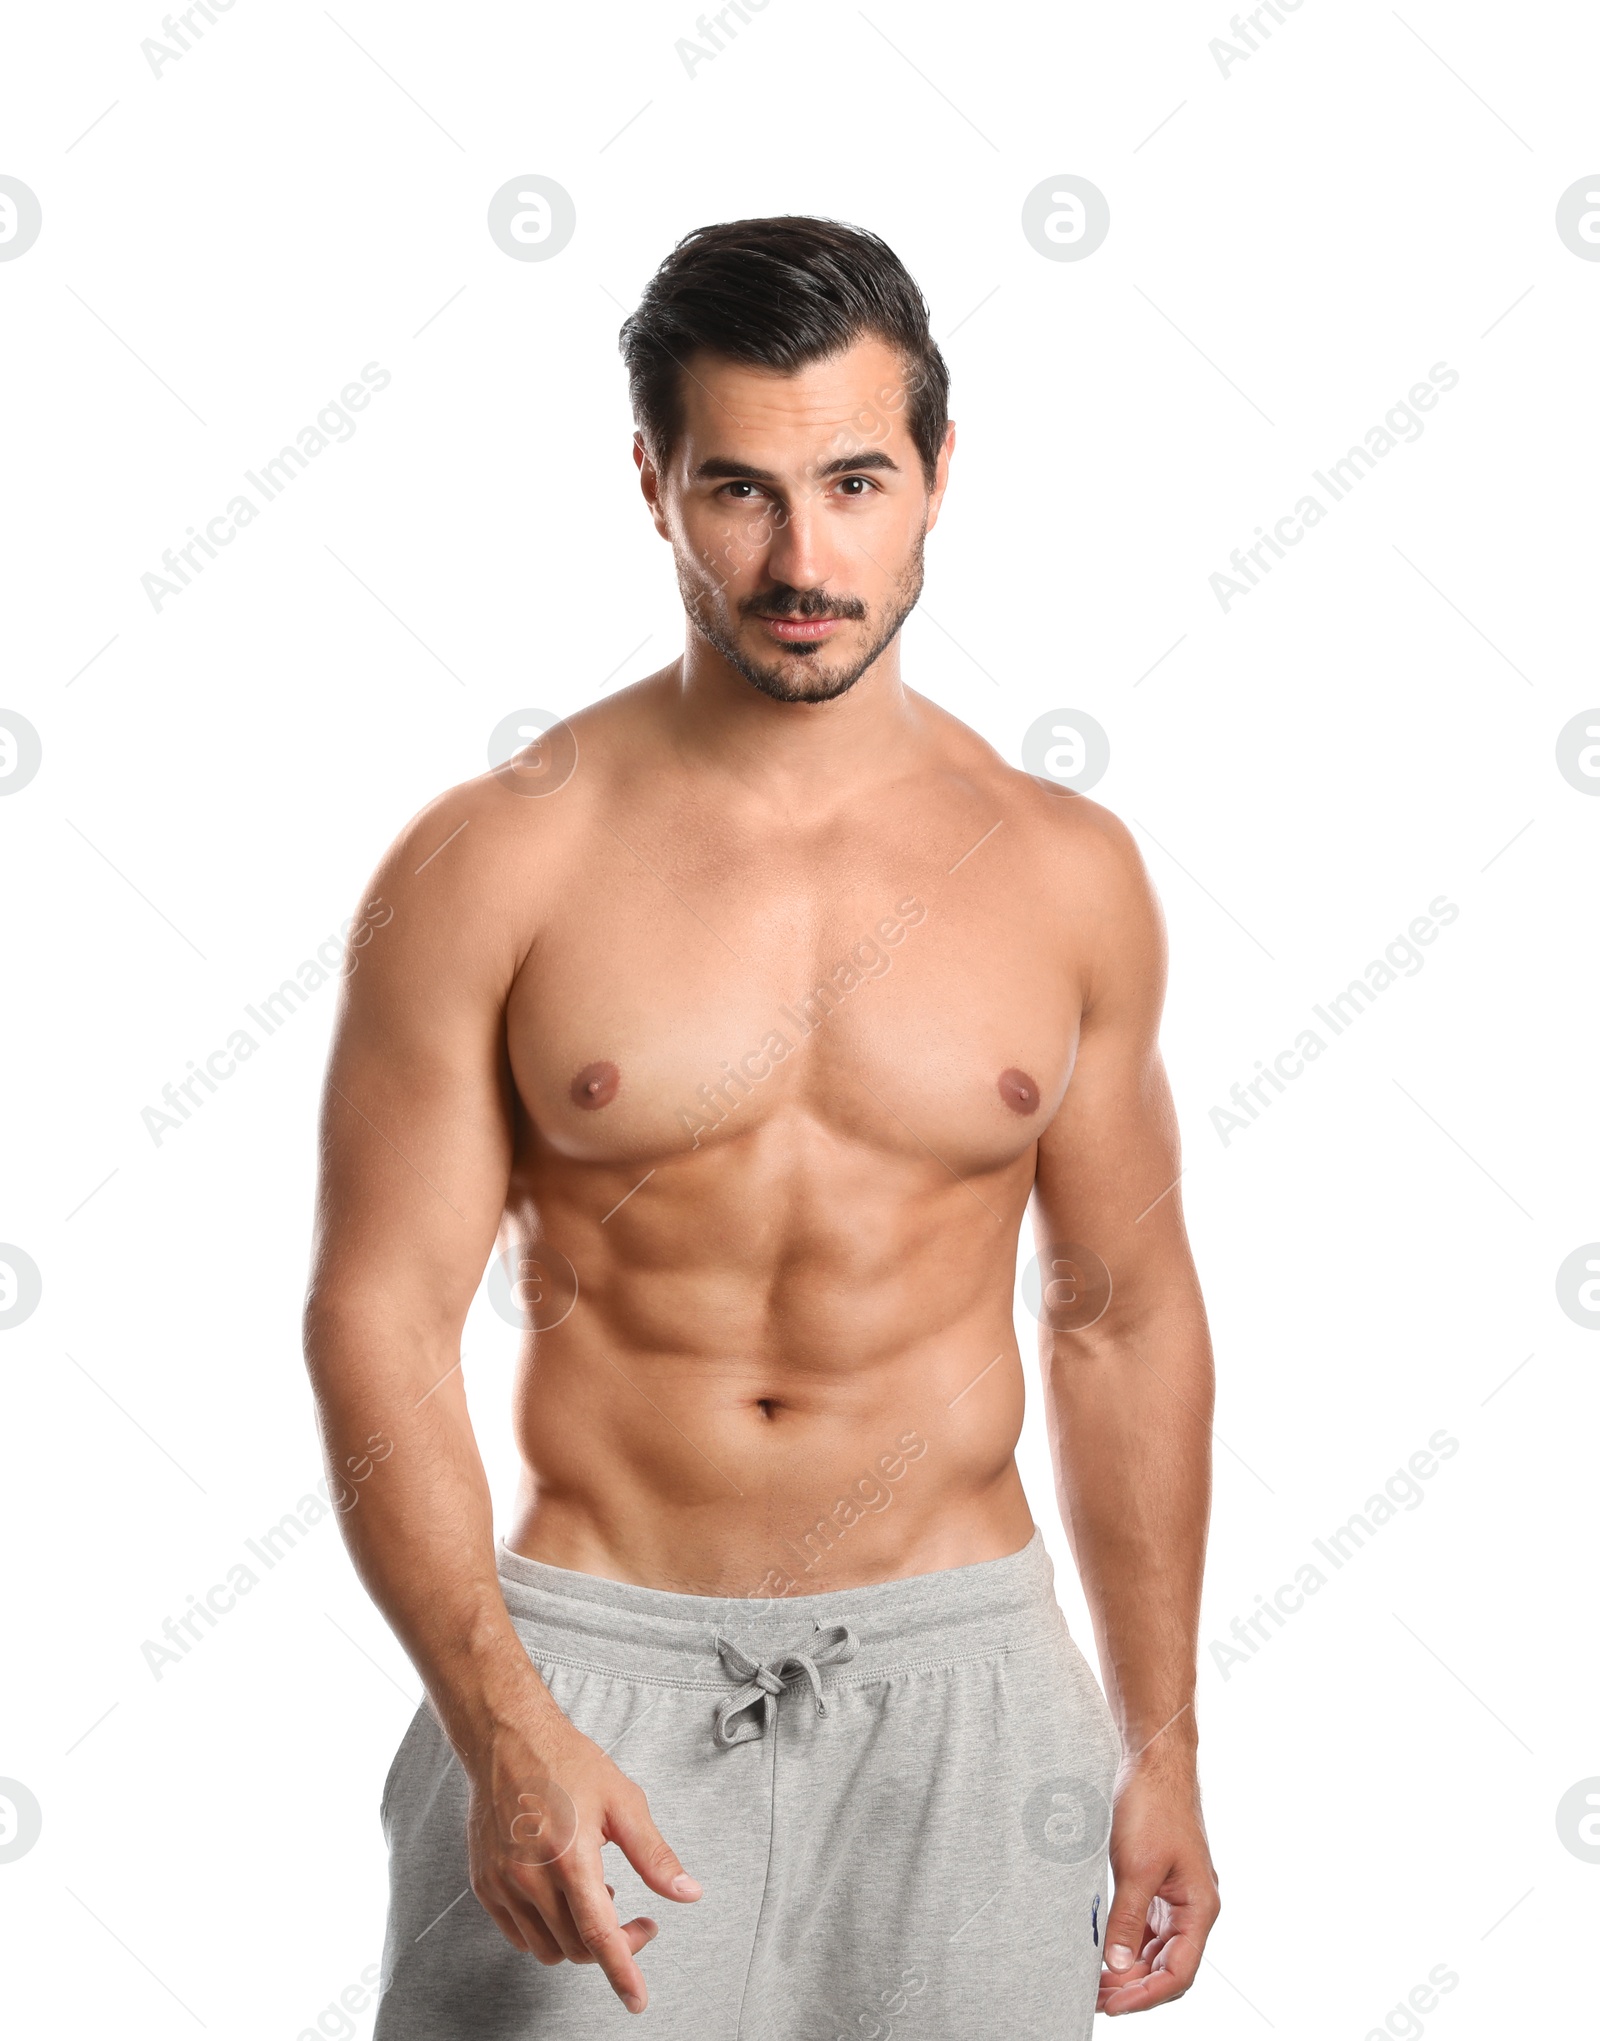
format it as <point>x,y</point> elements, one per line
<point>800,630</point>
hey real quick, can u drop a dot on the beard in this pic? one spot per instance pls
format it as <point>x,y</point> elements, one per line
<point>803,673</point>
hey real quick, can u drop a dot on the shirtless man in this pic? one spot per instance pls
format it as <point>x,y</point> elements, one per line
<point>743,1015</point>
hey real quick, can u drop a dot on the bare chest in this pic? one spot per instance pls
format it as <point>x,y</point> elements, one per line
<point>879,998</point>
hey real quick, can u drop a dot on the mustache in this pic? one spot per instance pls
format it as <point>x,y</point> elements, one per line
<point>804,603</point>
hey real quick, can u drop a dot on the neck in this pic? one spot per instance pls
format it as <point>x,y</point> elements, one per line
<point>805,754</point>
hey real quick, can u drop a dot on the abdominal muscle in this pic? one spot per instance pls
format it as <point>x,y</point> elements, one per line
<point>771,1386</point>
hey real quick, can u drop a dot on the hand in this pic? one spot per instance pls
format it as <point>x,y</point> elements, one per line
<point>543,1800</point>
<point>1166,1888</point>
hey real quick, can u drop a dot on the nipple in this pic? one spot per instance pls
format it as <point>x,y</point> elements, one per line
<point>595,1086</point>
<point>1019,1091</point>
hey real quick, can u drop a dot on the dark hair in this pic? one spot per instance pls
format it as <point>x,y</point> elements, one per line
<point>779,294</point>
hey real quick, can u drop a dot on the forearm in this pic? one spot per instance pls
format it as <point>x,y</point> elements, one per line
<point>408,1480</point>
<point>1129,1402</point>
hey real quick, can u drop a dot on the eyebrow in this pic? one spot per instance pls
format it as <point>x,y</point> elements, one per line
<point>719,470</point>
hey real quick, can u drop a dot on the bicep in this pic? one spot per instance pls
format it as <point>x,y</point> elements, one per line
<point>1109,1159</point>
<point>416,1128</point>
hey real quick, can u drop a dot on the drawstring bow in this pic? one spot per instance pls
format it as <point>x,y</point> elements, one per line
<point>763,1683</point>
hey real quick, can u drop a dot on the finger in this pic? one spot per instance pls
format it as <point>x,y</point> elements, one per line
<point>541,1942</point>
<point>1169,1960</point>
<point>1183,1943</point>
<point>1171,1977</point>
<point>507,1924</point>
<point>639,1931</point>
<point>1128,1951</point>
<point>629,1826</point>
<point>558,1919</point>
<point>605,1941</point>
<point>539,1903</point>
<point>524,1931</point>
<point>492,1900</point>
<point>1127,1926</point>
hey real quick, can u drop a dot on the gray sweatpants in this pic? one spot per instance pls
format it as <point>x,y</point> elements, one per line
<point>897,1799</point>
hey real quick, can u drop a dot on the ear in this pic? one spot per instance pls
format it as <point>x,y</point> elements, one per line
<point>941,475</point>
<point>649,483</point>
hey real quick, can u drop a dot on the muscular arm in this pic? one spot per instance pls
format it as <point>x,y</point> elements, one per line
<point>416,1146</point>
<point>415,1154</point>
<point>1129,1400</point>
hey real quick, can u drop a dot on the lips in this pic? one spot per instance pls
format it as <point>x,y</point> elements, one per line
<point>800,630</point>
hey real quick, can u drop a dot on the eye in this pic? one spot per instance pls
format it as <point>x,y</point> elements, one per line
<point>856,484</point>
<point>729,487</point>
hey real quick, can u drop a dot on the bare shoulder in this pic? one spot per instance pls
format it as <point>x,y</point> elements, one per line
<point>1077,842</point>
<point>1081,858</point>
<point>473,873</point>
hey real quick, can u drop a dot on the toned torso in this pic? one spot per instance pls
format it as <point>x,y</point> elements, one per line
<point>776,1077</point>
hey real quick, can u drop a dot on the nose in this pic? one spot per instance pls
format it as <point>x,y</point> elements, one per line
<point>800,554</point>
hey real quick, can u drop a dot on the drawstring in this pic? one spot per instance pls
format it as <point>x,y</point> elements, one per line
<point>764,1683</point>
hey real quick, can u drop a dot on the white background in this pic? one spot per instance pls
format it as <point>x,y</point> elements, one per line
<point>1291,249</point>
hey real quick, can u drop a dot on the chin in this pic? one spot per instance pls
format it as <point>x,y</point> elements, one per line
<point>800,679</point>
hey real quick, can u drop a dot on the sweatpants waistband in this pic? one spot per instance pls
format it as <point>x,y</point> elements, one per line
<point>925,1619</point>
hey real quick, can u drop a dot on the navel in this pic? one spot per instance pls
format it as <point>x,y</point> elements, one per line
<point>595,1086</point>
<point>1019,1091</point>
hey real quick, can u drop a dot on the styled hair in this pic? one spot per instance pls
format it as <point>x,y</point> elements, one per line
<point>779,294</point>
